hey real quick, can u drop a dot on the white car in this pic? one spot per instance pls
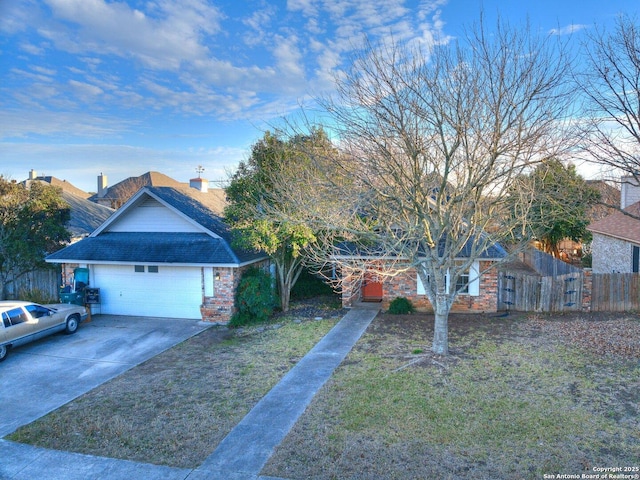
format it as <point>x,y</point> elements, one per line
<point>24,322</point>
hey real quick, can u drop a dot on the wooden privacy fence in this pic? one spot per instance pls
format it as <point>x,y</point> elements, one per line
<point>581,291</point>
<point>552,286</point>
<point>547,265</point>
<point>45,281</point>
<point>534,293</point>
<point>615,292</point>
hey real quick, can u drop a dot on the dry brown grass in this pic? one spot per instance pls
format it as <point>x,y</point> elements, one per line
<point>518,398</point>
<point>175,408</point>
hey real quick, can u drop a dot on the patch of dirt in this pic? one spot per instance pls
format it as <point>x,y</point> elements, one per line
<point>601,333</point>
<point>310,308</point>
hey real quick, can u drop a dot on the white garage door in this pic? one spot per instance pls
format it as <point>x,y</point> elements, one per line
<point>173,292</point>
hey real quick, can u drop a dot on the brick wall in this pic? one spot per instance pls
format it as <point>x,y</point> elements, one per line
<point>587,288</point>
<point>406,285</point>
<point>220,308</point>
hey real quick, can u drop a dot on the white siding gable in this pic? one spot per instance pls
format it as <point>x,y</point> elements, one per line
<point>152,216</point>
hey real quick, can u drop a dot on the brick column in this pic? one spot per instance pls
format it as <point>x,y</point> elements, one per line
<point>587,288</point>
<point>219,308</point>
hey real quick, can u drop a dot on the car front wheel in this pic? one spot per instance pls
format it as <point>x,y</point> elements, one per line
<point>72,324</point>
<point>4,351</point>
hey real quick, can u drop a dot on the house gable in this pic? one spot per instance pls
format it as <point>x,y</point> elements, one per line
<point>149,215</point>
<point>147,211</point>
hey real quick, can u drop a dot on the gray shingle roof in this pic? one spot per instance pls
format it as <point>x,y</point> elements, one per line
<point>163,247</point>
<point>621,225</point>
<point>152,247</point>
<point>86,216</point>
<point>493,251</point>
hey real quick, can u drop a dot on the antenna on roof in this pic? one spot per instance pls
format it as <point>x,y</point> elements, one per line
<point>199,169</point>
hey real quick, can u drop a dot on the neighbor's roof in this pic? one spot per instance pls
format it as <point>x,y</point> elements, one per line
<point>213,198</point>
<point>493,251</point>
<point>62,184</point>
<point>621,225</point>
<point>86,216</point>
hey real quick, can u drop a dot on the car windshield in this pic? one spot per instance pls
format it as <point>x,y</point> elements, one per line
<point>37,311</point>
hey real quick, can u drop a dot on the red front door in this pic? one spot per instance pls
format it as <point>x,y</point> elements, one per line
<point>371,289</point>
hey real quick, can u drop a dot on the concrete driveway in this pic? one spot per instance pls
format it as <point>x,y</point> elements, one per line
<point>41,376</point>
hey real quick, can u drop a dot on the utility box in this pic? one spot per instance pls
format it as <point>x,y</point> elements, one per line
<point>76,293</point>
<point>92,296</point>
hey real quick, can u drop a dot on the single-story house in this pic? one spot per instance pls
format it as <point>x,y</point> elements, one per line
<point>479,295</point>
<point>162,254</point>
<point>615,247</point>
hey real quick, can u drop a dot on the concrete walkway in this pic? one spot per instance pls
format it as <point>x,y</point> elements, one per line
<point>243,452</point>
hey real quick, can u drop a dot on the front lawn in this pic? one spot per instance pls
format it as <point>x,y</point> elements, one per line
<point>175,408</point>
<point>518,398</point>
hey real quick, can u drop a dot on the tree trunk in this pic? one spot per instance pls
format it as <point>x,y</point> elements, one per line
<point>285,295</point>
<point>441,326</point>
<point>287,274</point>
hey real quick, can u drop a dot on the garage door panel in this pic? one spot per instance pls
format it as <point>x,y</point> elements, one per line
<point>174,292</point>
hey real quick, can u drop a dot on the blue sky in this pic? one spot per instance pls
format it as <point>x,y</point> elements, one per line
<point>125,87</point>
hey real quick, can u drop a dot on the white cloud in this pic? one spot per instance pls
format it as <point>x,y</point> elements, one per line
<point>32,49</point>
<point>289,61</point>
<point>82,89</point>
<point>18,16</point>
<point>24,122</point>
<point>161,42</point>
<point>567,29</point>
<point>189,57</point>
<point>43,70</point>
<point>307,7</point>
<point>259,23</point>
<point>40,77</point>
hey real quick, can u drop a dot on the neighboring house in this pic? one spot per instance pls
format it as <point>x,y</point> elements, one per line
<point>615,247</point>
<point>86,216</point>
<point>118,194</point>
<point>163,254</point>
<point>480,295</point>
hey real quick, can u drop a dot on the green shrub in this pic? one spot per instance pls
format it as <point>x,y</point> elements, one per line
<point>37,296</point>
<point>254,298</point>
<point>401,306</point>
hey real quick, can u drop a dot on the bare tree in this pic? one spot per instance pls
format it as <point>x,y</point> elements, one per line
<point>429,141</point>
<point>611,85</point>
